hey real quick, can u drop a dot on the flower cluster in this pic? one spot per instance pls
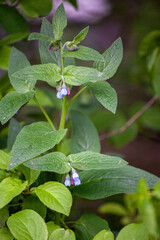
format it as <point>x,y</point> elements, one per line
<point>74,179</point>
<point>62,92</point>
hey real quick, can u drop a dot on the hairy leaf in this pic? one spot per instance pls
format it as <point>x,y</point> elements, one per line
<point>4,159</point>
<point>39,36</point>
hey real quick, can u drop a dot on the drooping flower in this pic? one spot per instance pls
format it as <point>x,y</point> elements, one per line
<point>67,181</point>
<point>62,91</point>
<point>77,181</point>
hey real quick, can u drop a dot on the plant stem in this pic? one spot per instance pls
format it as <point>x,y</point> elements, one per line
<point>44,112</point>
<point>75,96</point>
<point>131,120</point>
<point>64,113</point>
<point>64,224</point>
<point>62,58</point>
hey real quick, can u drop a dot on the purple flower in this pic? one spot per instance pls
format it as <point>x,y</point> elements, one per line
<point>77,181</point>
<point>75,175</point>
<point>67,182</point>
<point>59,95</point>
<point>64,91</point>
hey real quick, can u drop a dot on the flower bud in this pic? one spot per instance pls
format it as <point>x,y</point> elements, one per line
<point>72,47</point>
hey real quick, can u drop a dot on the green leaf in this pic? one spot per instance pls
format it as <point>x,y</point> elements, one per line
<point>113,57</point>
<point>27,225</point>
<point>62,234</point>
<point>10,188</point>
<point>11,103</point>
<point>105,94</point>
<point>81,36</point>
<point>14,129</point>
<point>93,160</point>
<point>46,55</point>
<point>51,226</point>
<point>79,75</point>
<point>4,159</point>
<point>55,196</point>
<point>89,225</point>
<point>84,53</point>
<point>98,184</point>
<point>52,162</point>
<point>112,208</point>
<point>5,234</point>
<point>73,2</point>
<point>104,235</point>
<point>36,8</point>
<point>84,134</point>
<point>4,215</point>
<point>4,57</point>
<point>156,76</point>
<point>133,232</point>
<point>32,202</point>
<point>3,175</point>
<point>149,43</point>
<point>49,73</point>
<point>59,22</point>
<point>39,36</point>
<point>30,175</point>
<point>15,21</point>
<point>33,140</point>
<point>15,37</point>
<point>18,61</point>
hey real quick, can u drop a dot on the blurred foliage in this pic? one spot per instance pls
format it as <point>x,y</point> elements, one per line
<point>140,212</point>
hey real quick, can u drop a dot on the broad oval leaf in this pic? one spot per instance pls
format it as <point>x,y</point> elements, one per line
<point>33,140</point>
<point>10,188</point>
<point>84,134</point>
<point>105,94</point>
<point>49,73</point>
<point>133,232</point>
<point>104,235</point>
<point>93,160</point>
<point>18,61</point>
<point>4,159</point>
<point>59,21</point>
<point>36,8</point>
<point>113,57</point>
<point>55,196</point>
<point>52,162</point>
<point>89,225</point>
<point>62,234</point>
<point>79,75</point>
<point>11,103</point>
<point>27,225</point>
<point>97,184</point>
<point>84,53</point>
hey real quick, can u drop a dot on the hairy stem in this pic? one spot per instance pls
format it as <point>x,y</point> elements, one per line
<point>131,120</point>
<point>64,113</point>
<point>44,112</point>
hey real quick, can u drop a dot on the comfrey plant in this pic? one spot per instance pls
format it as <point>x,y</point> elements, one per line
<point>37,177</point>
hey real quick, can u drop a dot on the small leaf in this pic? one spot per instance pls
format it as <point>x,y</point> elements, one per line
<point>14,129</point>
<point>112,208</point>
<point>113,57</point>
<point>10,188</point>
<point>39,36</point>
<point>51,226</point>
<point>4,159</point>
<point>33,140</point>
<point>27,225</point>
<point>62,234</point>
<point>4,215</point>
<point>93,160</point>
<point>97,184</point>
<point>89,225</point>
<point>4,57</point>
<point>15,37</point>
<point>79,75</point>
<point>30,175</point>
<point>84,134</point>
<point>81,36</point>
<point>84,53</point>
<point>55,196</point>
<point>59,22</point>
<point>11,103</point>
<point>32,202</point>
<point>105,94</point>
<point>52,162</point>
<point>49,73</point>
<point>5,234</point>
<point>18,61</point>
<point>133,231</point>
<point>36,8</point>
<point>104,235</point>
